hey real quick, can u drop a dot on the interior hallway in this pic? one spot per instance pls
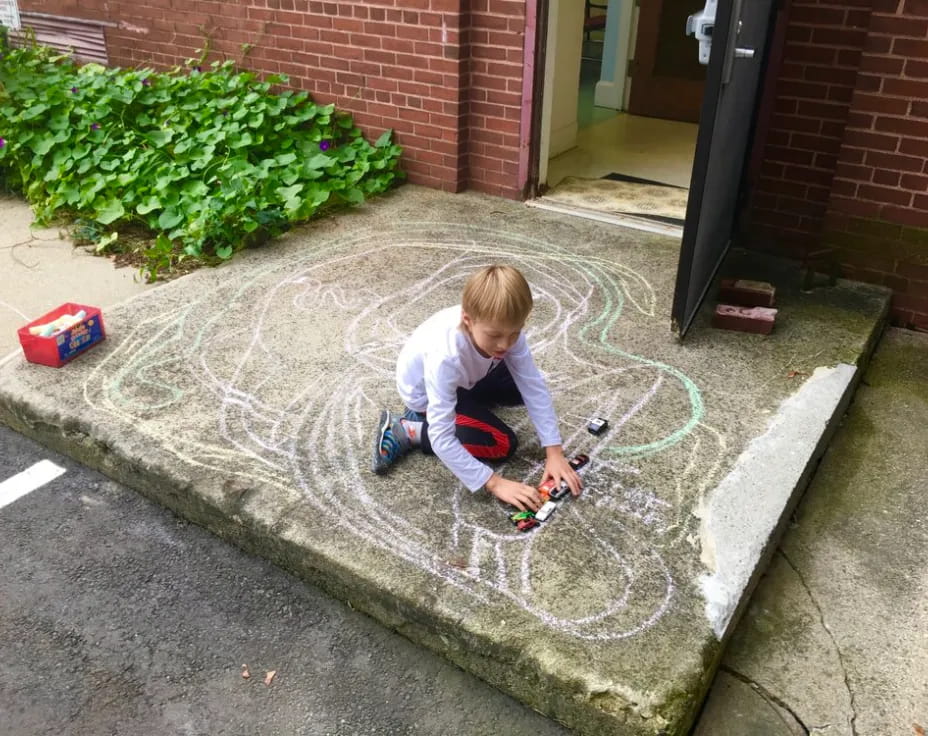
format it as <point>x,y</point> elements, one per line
<point>647,148</point>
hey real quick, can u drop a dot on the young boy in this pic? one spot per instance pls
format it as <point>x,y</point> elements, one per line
<point>455,365</point>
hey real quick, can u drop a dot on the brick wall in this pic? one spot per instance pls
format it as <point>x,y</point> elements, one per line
<point>446,75</point>
<point>845,157</point>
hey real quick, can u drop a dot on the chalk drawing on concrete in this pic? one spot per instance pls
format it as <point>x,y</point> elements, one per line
<point>345,309</point>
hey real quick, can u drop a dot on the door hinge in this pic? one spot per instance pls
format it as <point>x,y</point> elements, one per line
<point>629,67</point>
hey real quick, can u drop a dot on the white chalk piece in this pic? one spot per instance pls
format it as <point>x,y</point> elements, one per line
<point>545,511</point>
<point>31,478</point>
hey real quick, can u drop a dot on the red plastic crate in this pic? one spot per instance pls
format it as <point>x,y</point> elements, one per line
<point>58,349</point>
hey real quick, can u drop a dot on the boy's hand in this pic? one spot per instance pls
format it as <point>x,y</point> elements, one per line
<point>521,496</point>
<point>557,467</point>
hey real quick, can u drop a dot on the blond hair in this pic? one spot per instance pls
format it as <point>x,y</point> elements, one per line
<point>497,294</point>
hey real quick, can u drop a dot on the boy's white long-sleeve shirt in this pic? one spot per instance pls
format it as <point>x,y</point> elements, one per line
<point>439,358</point>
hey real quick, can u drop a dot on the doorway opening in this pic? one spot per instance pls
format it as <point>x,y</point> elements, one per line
<point>622,92</point>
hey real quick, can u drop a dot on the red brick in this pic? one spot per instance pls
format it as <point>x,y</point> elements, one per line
<point>911,48</point>
<point>898,26</point>
<point>908,127</point>
<point>914,182</point>
<point>916,68</point>
<point>816,15</point>
<point>894,161</point>
<point>795,123</point>
<point>906,88</point>
<point>757,320</point>
<point>905,216</point>
<point>860,120</point>
<point>880,103</point>
<point>856,207</point>
<point>911,302</point>
<point>808,175</point>
<point>826,110</point>
<point>916,7</point>
<point>896,283</point>
<point>914,147</point>
<point>832,75</point>
<point>882,64</point>
<point>886,178</point>
<point>875,141</point>
<point>744,293</point>
<point>849,58</point>
<point>850,37</point>
<point>913,271</point>
<point>885,195</point>
<point>788,155</point>
<point>802,90</point>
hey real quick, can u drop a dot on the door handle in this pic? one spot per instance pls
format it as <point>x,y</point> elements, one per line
<point>744,53</point>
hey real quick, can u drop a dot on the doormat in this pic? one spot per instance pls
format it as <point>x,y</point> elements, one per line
<point>651,200</point>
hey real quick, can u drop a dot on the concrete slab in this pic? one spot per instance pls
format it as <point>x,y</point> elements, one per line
<point>837,631</point>
<point>41,270</point>
<point>244,398</point>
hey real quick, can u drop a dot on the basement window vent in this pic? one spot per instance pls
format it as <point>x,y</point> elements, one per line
<point>9,14</point>
<point>83,38</point>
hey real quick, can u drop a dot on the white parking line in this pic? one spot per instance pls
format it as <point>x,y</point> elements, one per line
<point>27,481</point>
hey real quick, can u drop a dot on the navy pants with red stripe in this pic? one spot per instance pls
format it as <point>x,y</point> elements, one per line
<point>483,434</point>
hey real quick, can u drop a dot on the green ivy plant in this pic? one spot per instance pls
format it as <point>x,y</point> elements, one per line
<point>209,160</point>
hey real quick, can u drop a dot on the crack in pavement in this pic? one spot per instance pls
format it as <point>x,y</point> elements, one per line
<point>767,695</point>
<point>821,616</point>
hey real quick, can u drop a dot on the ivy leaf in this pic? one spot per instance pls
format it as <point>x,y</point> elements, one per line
<point>353,195</point>
<point>106,240</point>
<point>149,205</point>
<point>290,195</point>
<point>224,252</point>
<point>161,138</point>
<point>169,218</point>
<point>384,139</point>
<point>110,212</point>
<point>42,145</point>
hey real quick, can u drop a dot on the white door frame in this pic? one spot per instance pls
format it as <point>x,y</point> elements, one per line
<point>9,14</point>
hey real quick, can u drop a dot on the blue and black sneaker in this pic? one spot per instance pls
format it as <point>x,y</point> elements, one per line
<point>391,442</point>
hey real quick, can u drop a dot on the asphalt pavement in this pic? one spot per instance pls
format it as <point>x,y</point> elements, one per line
<point>117,617</point>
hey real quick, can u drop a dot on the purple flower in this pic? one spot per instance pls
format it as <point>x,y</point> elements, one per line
<point>2,142</point>
<point>197,69</point>
<point>146,82</point>
<point>95,126</point>
<point>73,90</point>
<point>325,145</point>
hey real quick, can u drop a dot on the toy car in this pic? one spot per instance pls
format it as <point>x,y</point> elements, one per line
<point>525,525</point>
<point>545,511</point>
<point>597,425</point>
<point>520,516</point>
<point>560,492</point>
<point>578,461</point>
<point>546,489</point>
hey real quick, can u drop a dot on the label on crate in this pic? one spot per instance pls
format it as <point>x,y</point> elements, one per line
<point>79,337</point>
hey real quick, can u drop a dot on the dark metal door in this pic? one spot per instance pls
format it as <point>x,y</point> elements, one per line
<point>739,42</point>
